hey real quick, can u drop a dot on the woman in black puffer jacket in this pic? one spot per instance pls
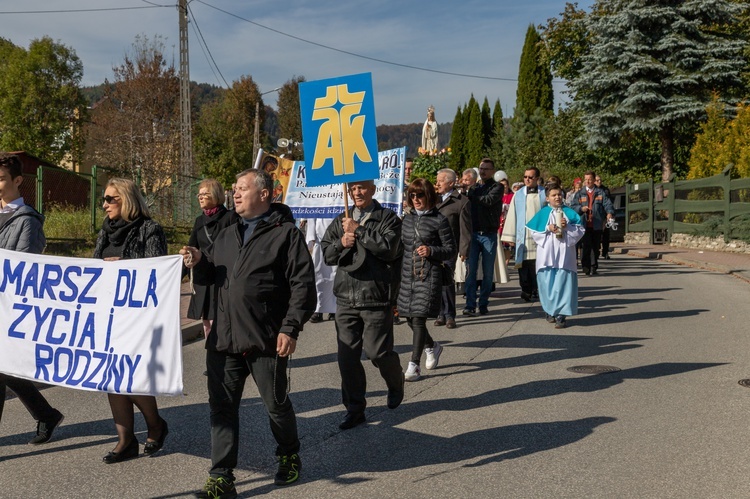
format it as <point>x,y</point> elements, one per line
<point>428,243</point>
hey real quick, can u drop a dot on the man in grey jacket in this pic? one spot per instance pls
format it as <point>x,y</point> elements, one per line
<point>21,230</point>
<point>367,248</point>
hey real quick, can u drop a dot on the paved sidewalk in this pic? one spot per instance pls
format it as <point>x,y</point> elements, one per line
<point>191,329</point>
<point>737,264</point>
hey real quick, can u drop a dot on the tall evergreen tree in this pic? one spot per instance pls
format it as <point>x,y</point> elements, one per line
<point>458,142</point>
<point>498,130</point>
<point>474,134</point>
<point>653,65</point>
<point>534,78</point>
<point>486,126</point>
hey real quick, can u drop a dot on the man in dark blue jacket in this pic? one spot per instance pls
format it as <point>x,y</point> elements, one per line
<point>265,284</point>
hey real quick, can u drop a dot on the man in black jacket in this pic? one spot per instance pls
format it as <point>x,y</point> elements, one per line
<point>486,200</point>
<point>455,207</point>
<point>265,284</point>
<point>367,248</point>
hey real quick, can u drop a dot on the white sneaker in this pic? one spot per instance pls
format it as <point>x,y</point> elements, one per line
<point>412,372</point>
<point>433,356</point>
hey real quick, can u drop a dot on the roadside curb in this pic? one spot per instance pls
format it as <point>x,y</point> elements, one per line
<point>192,331</point>
<point>679,260</point>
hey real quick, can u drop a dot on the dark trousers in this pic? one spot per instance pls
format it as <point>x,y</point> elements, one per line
<point>370,329</point>
<point>448,300</point>
<point>590,249</point>
<point>226,380</point>
<point>29,396</point>
<point>605,242</point>
<point>527,276</point>
<point>420,337</point>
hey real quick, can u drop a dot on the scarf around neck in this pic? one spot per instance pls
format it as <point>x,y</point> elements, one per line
<point>117,230</point>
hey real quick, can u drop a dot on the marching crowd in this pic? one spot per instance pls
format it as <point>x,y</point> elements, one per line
<point>258,279</point>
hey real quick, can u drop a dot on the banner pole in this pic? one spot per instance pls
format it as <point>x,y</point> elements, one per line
<point>346,201</point>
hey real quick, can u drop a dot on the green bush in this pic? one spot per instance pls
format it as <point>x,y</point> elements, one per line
<point>739,228</point>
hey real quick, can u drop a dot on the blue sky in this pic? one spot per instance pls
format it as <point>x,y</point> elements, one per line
<point>472,37</point>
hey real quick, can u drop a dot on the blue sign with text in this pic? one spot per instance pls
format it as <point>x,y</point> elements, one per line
<point>338,130</point>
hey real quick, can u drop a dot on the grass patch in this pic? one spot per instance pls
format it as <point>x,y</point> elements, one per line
<point>68,232</point>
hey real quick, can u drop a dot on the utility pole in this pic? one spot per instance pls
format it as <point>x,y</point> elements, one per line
<point>186,134</point>
<point>256,131</point>
<point>186,137</point>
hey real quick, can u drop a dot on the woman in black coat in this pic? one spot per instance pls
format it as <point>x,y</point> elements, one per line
<point>214,218</point>
<point>428,243</point>
<point>128,232</point>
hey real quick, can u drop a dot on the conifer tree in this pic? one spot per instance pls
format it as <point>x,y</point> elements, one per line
<point>534,78</point>
<point>458,142</point>
<point>498,130</point>
<point>486,126</point>
<point>653,65</point>
<point>474,135</point>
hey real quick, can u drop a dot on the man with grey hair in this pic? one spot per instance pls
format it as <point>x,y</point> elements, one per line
<point>468,178</point>
<point>366,246</point>
<point>265,283</point>
<point>455,207</point>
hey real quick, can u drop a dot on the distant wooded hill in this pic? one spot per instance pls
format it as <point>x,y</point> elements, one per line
<point>389,136</point>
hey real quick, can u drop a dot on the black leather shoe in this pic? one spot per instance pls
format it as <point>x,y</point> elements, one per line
<point>396,396</point>
<point>352,419</point>
<point>129,452</point>
<point>44,429</point>
<point>525,296</point>
<point>316,318</point>
<point>151,447</point>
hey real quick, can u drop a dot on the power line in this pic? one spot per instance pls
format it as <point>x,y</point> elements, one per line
<point>328,47</point>
<point>204,44</point>
<point>66,11</point>
<point>206,56</point>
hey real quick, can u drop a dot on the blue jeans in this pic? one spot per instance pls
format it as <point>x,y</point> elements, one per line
<point>484,244</point>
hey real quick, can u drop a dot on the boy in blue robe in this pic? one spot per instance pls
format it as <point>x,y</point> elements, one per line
<point>556,229</point>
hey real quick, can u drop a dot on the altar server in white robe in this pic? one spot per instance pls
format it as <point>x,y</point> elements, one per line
<point>556,229</point>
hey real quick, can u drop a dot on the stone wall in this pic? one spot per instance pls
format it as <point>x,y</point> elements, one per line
<point>693,242</point>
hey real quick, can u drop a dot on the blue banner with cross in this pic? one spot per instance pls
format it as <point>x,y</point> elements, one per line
<point>338,130</point>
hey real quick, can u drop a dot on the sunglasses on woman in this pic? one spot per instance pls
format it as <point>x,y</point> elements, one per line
<point>111,199</point>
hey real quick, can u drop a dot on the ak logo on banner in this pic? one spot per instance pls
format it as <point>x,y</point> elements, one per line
<point>338,130</point>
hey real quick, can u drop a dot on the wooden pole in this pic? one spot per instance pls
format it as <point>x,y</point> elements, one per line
<point>346,200</point>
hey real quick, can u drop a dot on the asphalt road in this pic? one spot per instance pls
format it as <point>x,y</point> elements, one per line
<point>501,417</point>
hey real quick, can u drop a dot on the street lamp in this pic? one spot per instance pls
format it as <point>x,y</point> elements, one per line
<point>256,132</point>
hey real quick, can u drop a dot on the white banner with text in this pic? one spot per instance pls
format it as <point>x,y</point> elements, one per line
<point>88,324</point>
